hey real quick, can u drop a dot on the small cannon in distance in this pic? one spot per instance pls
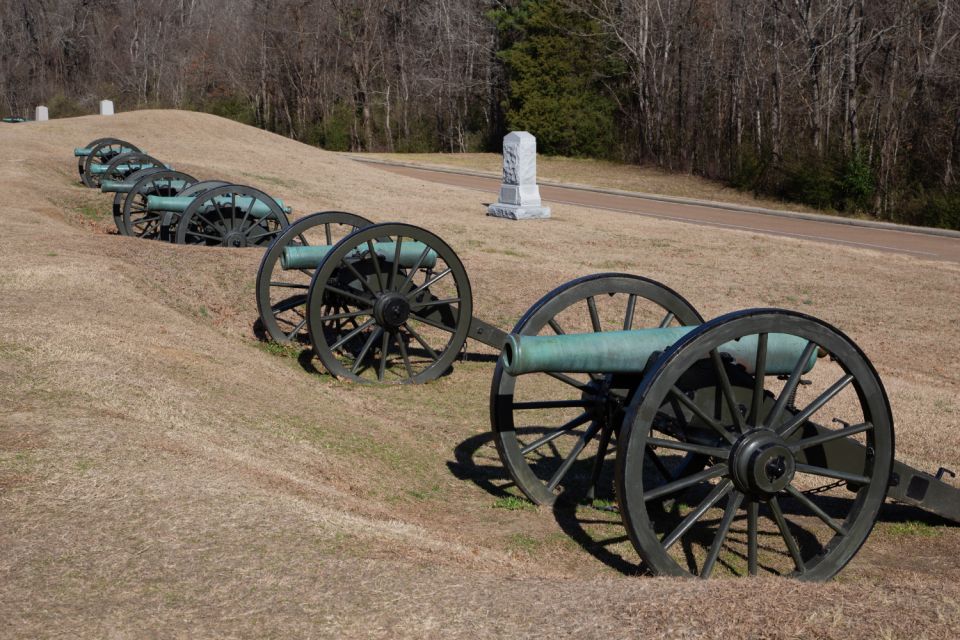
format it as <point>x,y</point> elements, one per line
<point>130,212</point>
<point>730,446</point>
<point>379,303</point>
<point>214,213</point>
<point>123,166</point>
<point>100,152</point>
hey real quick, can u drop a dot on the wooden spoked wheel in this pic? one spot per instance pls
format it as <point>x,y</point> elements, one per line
<point>119,198</point>
<point>81,160</point>
<point>103,153</point>
<point>282,293</point>
<point>231,216</point>
<point>126,164</point>
<point>555,430</point>
<point>169,219</point>
<point>139,222</point>
<point>390,303</point>
<point>797,466</point>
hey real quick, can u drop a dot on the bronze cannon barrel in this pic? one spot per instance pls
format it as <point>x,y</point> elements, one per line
<point>310,256</point>
<point>630,351</point>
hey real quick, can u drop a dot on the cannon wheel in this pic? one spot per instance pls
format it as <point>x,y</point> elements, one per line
<point>90,145</point>
<point>388,320</point>
<point>544,423</point>
<point>119,198</point>
<point>113,171</point>
<point>282,296</point>
<point>757,506</point>
<point>136,220</point>
<point>169,219</point>
<point>216,218</point>
<point>103,153</point>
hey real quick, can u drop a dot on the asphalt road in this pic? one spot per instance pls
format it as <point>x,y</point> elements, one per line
<point>895,240</point>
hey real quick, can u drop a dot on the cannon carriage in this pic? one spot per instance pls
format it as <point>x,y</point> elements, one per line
<point>130,198</point>
<point>758,442</point>
<point>382,303</point>
<point>98,153</point>
<point>153,201</point>
<point>216,213</point>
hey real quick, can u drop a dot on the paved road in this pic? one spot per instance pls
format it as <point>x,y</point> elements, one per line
<point>920,245</point>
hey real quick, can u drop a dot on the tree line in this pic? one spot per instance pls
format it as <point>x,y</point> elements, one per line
<point>846,104</point>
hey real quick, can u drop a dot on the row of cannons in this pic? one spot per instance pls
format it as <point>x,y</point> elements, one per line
<point>761,441</point>
<point>153,201</point>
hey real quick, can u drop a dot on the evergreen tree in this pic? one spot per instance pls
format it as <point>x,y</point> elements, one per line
<point>555,66</point>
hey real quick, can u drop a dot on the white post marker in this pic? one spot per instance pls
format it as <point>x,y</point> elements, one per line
<point>42,114</point>
<point>106,107</point>
<point>519,194</point>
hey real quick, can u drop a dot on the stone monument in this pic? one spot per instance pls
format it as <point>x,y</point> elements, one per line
<point>519,194</point>
<point>42,114</point>
<point>106,107</point>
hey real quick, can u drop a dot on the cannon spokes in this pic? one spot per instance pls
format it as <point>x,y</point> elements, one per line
<point>554,430</point>
<point>774,494</point>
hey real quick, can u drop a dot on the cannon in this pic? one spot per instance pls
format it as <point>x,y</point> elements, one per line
<point>120,167</point>
<point>760,441</point>
<point>214,213</point>
<point>99,152</point>
<point>380,303</point>
<point>130,200</point>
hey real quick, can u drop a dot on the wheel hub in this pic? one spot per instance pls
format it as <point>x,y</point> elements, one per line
<point>235,239</point>
<point>761,463</point>
<point>391,310</point>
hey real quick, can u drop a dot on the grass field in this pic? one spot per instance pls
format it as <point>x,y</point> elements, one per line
<point>163,473</point>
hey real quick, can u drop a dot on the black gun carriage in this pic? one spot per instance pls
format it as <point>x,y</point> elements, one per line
<point>758,442</point>
<point>381,303</point>
<point>153,201</point>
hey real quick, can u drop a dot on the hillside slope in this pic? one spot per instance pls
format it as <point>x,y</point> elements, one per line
<point>162,473</point>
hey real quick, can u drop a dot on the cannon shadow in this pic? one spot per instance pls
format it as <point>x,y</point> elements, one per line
<point>599,530</point>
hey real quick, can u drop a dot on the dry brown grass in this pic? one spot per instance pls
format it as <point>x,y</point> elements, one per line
<point>161,474</point>
<point>604,174</point>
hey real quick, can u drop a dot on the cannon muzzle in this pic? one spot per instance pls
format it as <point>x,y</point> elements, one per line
<point>310,256</point>
<point>630,351</point>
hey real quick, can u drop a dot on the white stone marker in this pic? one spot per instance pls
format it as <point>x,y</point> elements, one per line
<point>106,107</point>
<point>519,194</point>
<point>42,114</point>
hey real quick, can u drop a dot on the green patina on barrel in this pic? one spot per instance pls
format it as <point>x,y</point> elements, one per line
<point>179,204</point>
<point>97,169</point>
<point>629,351</point>
<point>310,257</point>
<point>105,152</point>
<point>117,186</point>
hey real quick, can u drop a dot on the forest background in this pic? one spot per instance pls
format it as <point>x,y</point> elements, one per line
<point>841,104</point>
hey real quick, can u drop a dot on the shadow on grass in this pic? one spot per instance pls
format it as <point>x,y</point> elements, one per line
<point>599,531</point>
<point>487,474</point>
